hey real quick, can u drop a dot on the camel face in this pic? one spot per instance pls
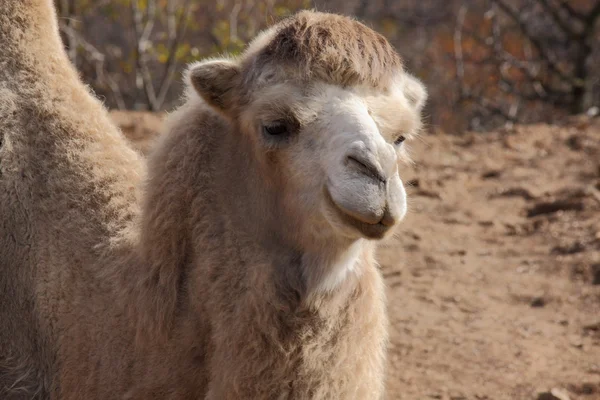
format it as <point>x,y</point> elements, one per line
<point>329,130</point>
<point>339,150</point>
<point>336,150</point>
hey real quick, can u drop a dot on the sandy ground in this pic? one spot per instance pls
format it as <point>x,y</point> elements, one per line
<point>494,280</point>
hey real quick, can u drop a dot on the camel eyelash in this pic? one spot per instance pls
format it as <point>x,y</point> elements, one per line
<point>276,129</point>
<point>280,131</point>
<point>399,140</point>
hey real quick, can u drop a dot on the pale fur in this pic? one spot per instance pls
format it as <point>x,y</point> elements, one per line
<point>206,279</point>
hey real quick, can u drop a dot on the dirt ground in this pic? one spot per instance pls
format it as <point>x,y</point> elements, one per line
<point>494,280</point>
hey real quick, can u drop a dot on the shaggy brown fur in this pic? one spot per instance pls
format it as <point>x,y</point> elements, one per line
<point>207,275</point>
<point>331,48</point>
<point>67,187</point>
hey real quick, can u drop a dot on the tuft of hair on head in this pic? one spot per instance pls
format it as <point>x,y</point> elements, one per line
<point>333,48</point>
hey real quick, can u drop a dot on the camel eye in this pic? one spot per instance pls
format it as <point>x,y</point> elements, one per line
<point>276,129</point>
<point>399,140</point>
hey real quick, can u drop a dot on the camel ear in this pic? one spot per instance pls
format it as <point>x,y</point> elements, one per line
<point>415,92</point>
<point>215,81</point>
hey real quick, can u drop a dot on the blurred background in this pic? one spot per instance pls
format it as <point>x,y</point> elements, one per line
<point>486,63</point>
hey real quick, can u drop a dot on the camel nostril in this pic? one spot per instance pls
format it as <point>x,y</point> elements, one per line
<point>366,167</point>
<point>388,218</point>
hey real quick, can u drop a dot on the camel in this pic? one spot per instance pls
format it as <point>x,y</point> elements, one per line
<point>237,262</point>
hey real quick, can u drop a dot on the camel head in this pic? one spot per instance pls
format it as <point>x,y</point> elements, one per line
<point>327,108</point>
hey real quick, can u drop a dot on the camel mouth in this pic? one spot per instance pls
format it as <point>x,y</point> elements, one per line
<point>367,230</point>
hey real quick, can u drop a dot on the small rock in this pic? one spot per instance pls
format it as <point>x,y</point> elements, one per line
<point>414,236</point>
<point>511,230</point>
<point>554,394</point>
<point>554,206</point>
<point>411,247</point>
<point>538,302</point>
<point>515,192</point>
<point>572,248</point>
<point>593,327</point>
<point>491,174</point>
<point>588,388</point>
<point>576,341</point>
<point>593,369</point>
<point>427,193</point>
<point>574,143</point>
<point>585,388</point>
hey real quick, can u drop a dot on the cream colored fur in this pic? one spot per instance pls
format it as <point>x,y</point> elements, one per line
<point>219,271</point>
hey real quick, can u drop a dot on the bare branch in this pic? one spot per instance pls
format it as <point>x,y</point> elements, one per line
<point>233,21</point>
<point>458,49</point>
<point>557,18</point>
<point>67,8</point>
<point>591,17</point>
<point>537,95</point>
<point>488,105</point>
<point>548,58</point>
<point>176,33</point>
<point>509,94</point>
<point>564,4</point>
<point>97,59</point>
<point>150,18</point>
<point>142,31</point>
<point>501,59</point>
